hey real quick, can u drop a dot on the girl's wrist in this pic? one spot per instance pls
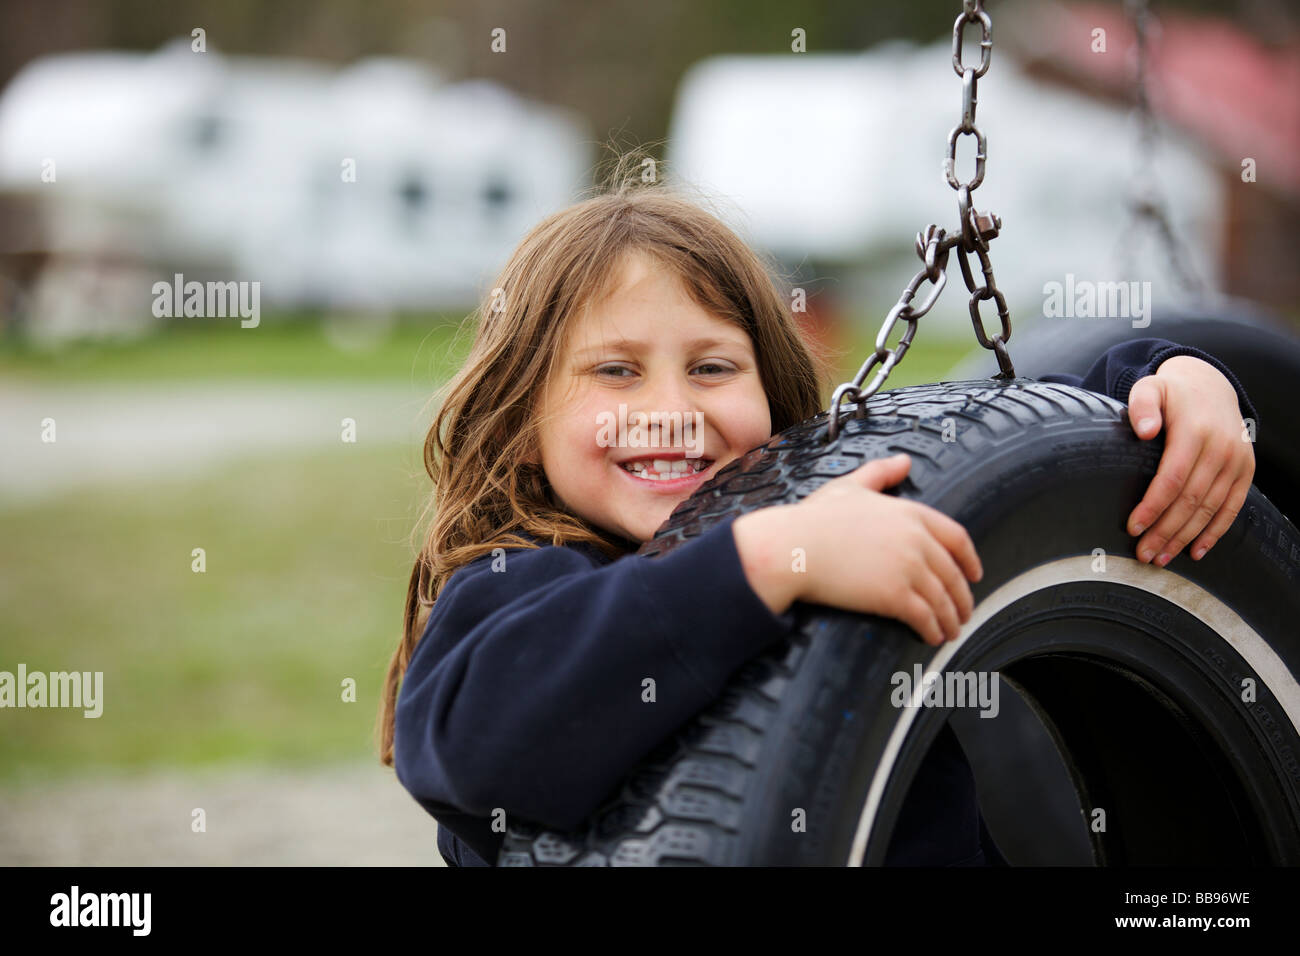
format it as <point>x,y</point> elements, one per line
<point>762,540</point>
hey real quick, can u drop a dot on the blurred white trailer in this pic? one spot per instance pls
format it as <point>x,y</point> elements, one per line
<point>833,162</point>
<point>375,187</point>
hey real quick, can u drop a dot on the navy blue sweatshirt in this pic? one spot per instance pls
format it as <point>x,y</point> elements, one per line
<point>523,694</point>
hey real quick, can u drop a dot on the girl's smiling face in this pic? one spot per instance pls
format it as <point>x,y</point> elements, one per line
<point>651,348</point>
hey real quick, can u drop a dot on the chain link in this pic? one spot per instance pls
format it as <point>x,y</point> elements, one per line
<point>1146,204</point>
<point>933,244</point>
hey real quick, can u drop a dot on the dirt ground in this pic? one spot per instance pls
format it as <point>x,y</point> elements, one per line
<point>349,815</point>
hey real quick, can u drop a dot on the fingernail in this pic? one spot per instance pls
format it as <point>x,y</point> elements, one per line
<point>1199,553</point>
<point>1163,560</point>
<point>1138,528</point>
<point>1147,554</point>
<point>1146,424</point>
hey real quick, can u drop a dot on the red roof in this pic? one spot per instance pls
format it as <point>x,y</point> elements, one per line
<point>1236,94</point>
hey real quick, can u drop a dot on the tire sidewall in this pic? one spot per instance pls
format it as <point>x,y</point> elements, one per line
<point>1060,489</point>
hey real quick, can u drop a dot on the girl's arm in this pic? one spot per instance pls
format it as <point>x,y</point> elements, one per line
<point>1120,367</point>
<point>527,690</point>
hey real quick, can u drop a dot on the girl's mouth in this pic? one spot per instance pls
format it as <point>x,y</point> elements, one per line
<point>667,474</point>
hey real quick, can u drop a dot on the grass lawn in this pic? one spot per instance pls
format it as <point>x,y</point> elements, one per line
<point>418,348</point>
<point>927,360</point>
<point>307,565</point>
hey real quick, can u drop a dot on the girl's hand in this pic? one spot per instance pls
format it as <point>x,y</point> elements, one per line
<point>1208,461</point>
<point>864,551</point>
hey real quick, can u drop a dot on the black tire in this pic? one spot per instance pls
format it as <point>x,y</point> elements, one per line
<point>1136,670</point>
<point>1261,351</point>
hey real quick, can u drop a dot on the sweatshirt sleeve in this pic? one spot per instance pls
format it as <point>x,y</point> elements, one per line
<point>1120,366</point>
<point>525,691</point>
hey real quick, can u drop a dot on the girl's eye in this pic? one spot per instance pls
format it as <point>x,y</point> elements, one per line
<point>615,371</point>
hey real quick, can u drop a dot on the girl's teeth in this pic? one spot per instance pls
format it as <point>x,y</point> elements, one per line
<point>664,469</point>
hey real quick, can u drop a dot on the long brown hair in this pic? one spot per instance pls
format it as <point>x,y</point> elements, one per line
<point>481,449</point>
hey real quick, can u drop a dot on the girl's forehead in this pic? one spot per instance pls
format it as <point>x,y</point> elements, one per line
<point>645,305</point>
<point>646,325</point>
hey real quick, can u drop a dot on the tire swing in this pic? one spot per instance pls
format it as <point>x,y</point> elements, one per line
<point>1170,694</point>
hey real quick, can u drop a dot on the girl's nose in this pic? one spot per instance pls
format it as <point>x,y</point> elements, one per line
<point>670,410</point>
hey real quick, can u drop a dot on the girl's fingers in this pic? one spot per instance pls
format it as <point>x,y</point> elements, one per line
<point>1224,518</point>
<point>955,538</point>
<point>1204,513</point>
<point>929,586</point>
<point>1176,464</point>
<point>881,473</point>
<point>1145,400</point>
<point>946,569</point>
<point>920,617</point>
<point>1185,501</point>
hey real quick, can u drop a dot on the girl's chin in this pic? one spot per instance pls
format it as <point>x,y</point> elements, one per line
<point>644,526</point>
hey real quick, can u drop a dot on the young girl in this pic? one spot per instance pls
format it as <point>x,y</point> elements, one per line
<point>521,692</point>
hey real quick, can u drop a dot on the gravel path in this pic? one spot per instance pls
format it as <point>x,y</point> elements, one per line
<point>113,432</point>
<point>346,815</point>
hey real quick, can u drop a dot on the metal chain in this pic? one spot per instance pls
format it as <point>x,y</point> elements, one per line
<point>1147,204</point>
<point>933,244</point>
